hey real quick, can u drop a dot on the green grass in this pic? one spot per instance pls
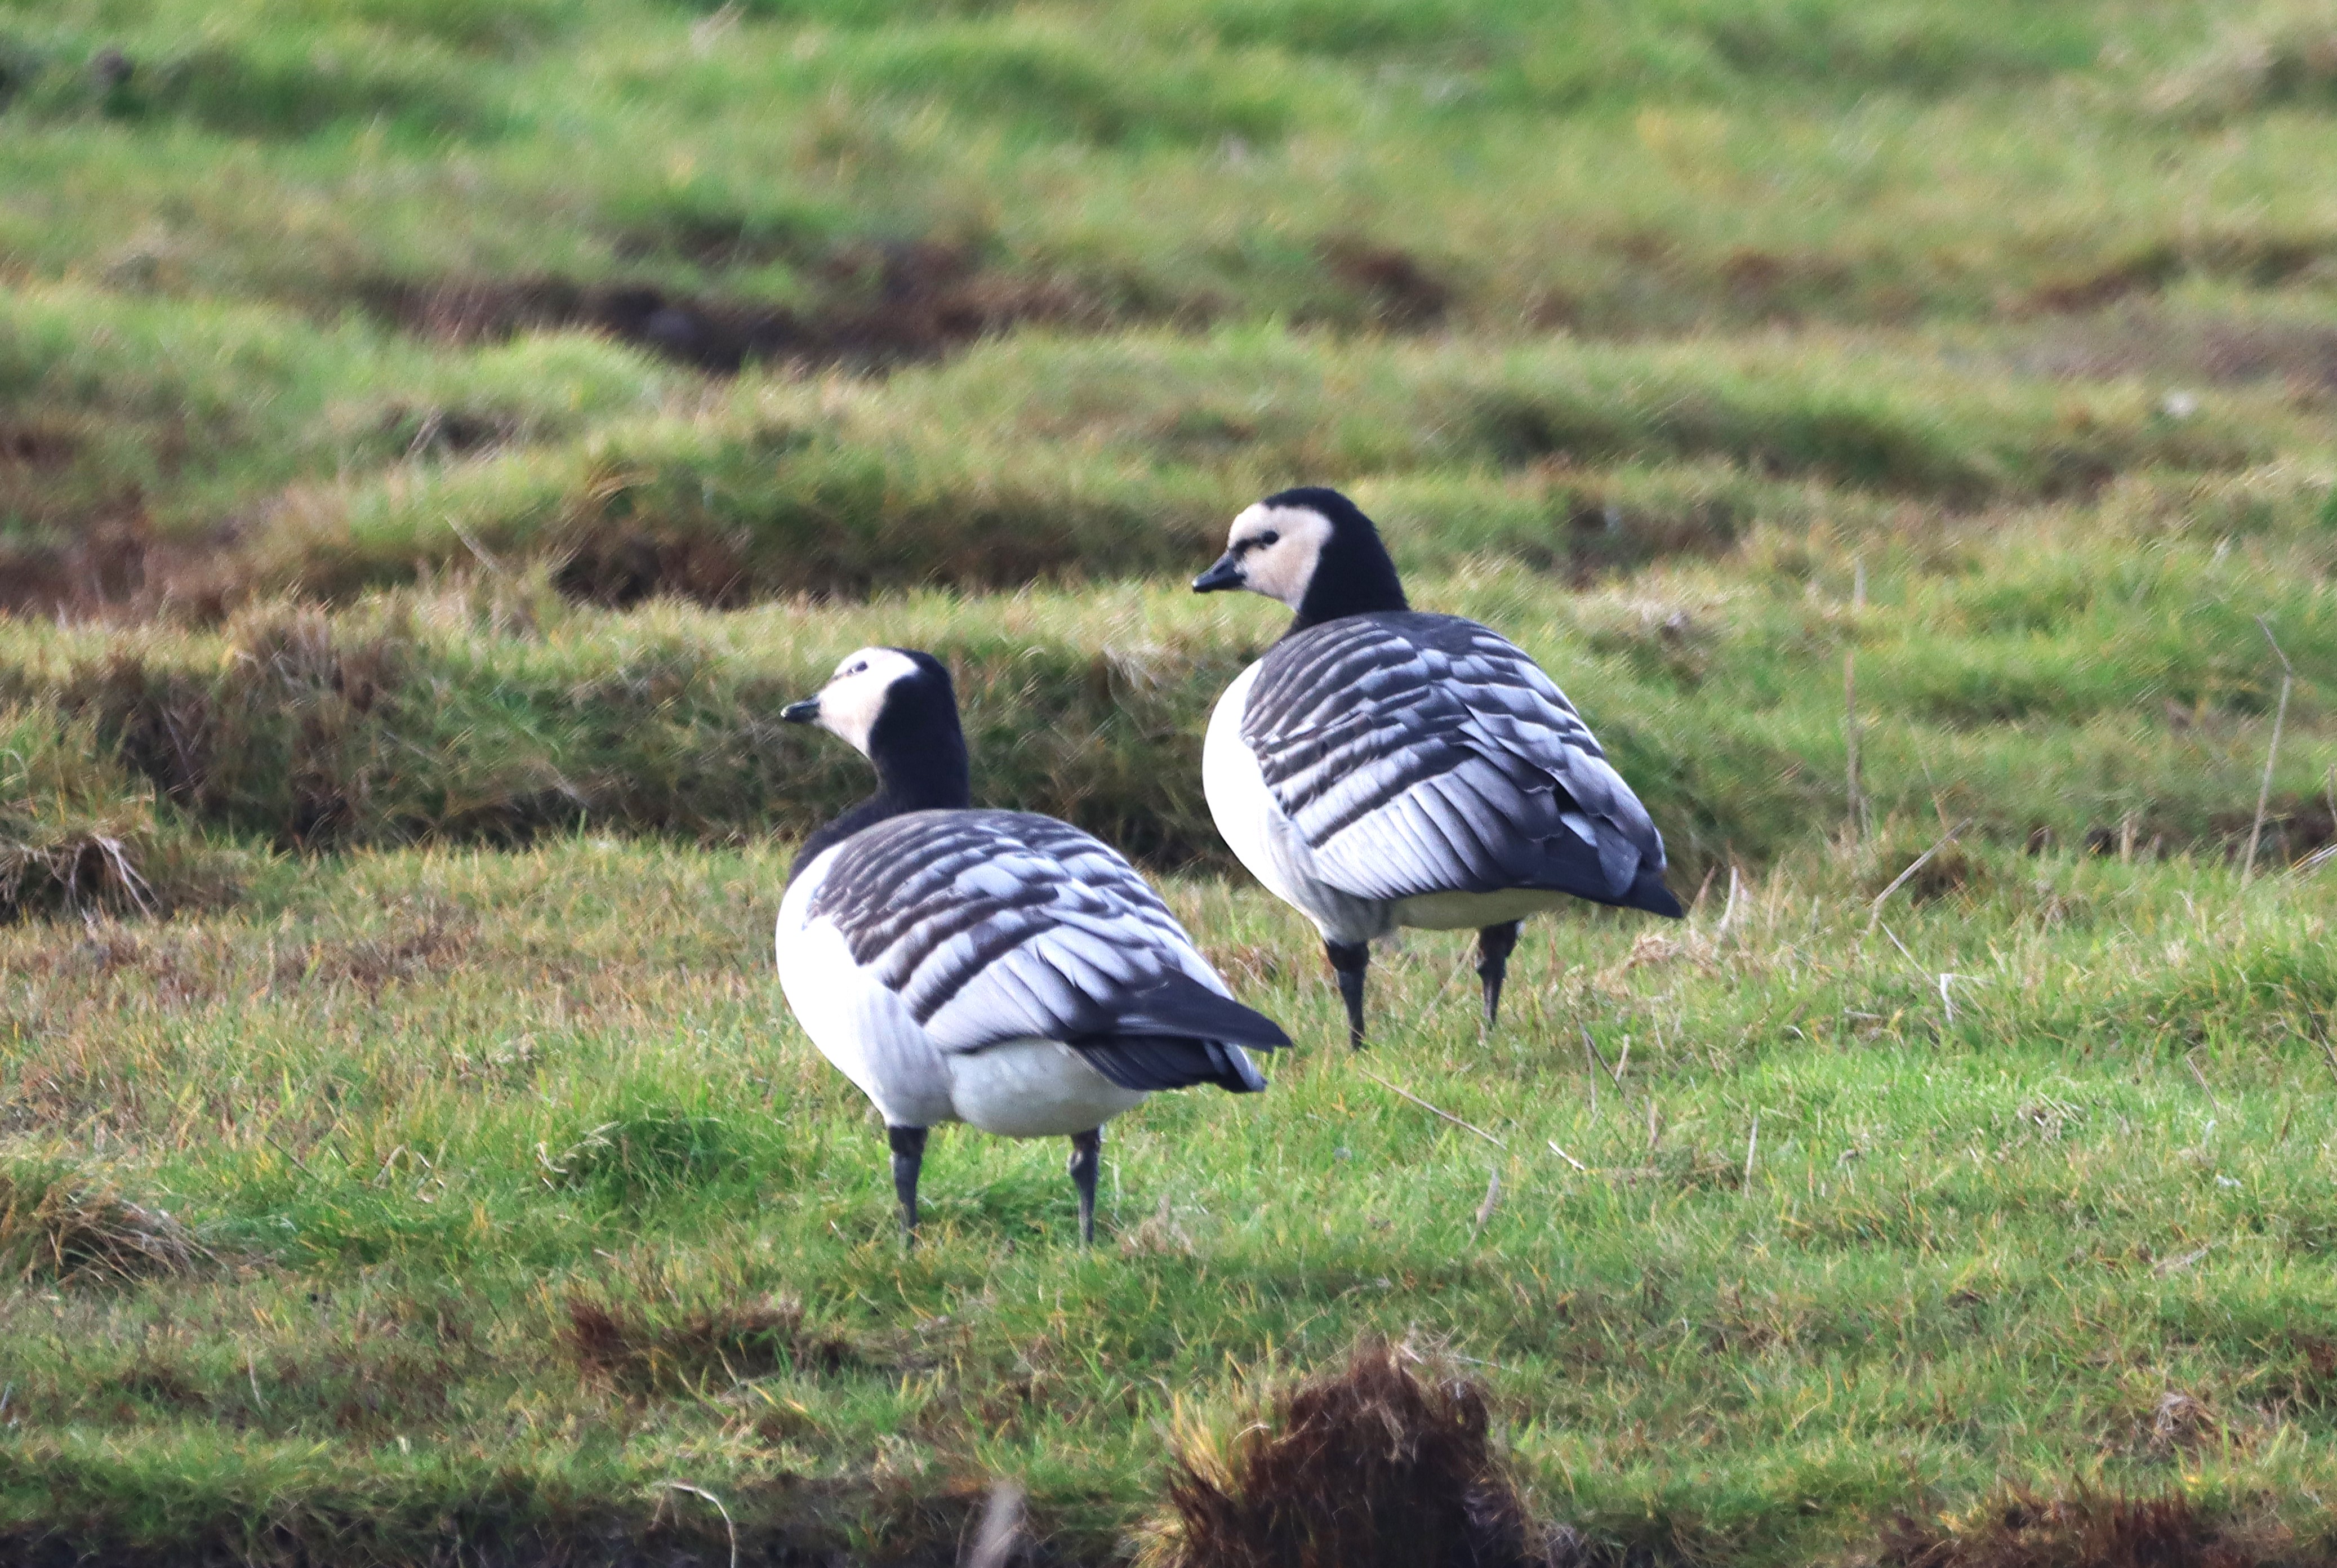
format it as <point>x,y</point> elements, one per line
<point>436,439</point>
<point>1592,162</point>
<point>576,1210</point>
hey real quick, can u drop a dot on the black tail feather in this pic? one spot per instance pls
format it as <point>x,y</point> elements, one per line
<point>1178,1005</point>
<point>1150,1062</point>
<point>1175,1033</point>
<point>1563,864</point>
<point>1650,894</point>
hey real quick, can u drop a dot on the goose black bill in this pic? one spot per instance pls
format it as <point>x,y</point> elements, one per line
<point>1226,574</point>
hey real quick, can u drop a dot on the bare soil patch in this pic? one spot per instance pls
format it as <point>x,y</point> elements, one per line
<point>2263,261</point>
<point>2090,1530</point>
<point>1402,292</point>
<point>891,304</point>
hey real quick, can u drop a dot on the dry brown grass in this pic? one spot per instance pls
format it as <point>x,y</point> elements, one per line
<point>79,836</point>
<point>73,1227</point>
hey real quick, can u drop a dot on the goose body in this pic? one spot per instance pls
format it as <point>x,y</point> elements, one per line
<point>1381,767</point>
<point>994,967</point>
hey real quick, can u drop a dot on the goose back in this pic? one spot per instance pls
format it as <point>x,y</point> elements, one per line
<point>1419,755</point>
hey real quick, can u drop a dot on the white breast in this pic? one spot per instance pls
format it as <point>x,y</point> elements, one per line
<point>1264,840</point>
<point>855,1019</point>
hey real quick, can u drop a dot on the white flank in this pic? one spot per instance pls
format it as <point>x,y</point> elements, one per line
<point>855,1019</point>
<point>1262,837</point>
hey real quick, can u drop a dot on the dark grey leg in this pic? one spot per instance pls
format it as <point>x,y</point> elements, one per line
<point>908,1159</point>
<point>1087,1154</point>
<point>1348,961</point>
<point>1493,945</point>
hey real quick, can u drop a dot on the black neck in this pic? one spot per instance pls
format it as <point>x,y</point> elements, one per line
<point>919,750</point>
<point>1354,577</point>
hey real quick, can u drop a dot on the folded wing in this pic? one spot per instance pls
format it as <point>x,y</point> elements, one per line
<point>1425,754</point>
<point>996,926</point>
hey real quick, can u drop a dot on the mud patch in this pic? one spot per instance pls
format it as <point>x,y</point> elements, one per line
<point>713,1346</point>
<point>2140,340</point>
<point>892,305</point>
<point>2086,1530</point>
<point>2293,828</point>
<point>2261,262</point>
<point>36,446</point>
<point>620,570</point>
<point>111,563</point>
<point>1398,290</point>
<point>1772,286</point>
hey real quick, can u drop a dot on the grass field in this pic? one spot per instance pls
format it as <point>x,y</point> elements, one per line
<point>435,439</point>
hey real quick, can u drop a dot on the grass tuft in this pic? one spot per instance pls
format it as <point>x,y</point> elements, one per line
<point>1368,1467</point>
<point>65,1225</point>
<point>640,1158</point>
<point>78,835</point>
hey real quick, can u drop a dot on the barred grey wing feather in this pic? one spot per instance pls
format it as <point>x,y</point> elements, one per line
<point>1422,753</point>
<point>995,926</point>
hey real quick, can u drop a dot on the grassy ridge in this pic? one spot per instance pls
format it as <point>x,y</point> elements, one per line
<point>265,268</point>
<point>1126,456</point>
<point>576,1211</point>
<point>176,458</point>
<point>2055,682</point>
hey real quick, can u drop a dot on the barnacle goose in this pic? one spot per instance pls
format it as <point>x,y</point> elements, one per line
<point>1383,767</point>
<point>989,966</point>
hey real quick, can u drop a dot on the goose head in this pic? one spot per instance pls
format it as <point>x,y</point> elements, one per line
<point>1312,549</point>
<point>855,698</point>
<point>896,707</point>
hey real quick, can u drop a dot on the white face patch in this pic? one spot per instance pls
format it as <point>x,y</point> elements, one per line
<point>854,694</point>
<point>1278,547</point>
